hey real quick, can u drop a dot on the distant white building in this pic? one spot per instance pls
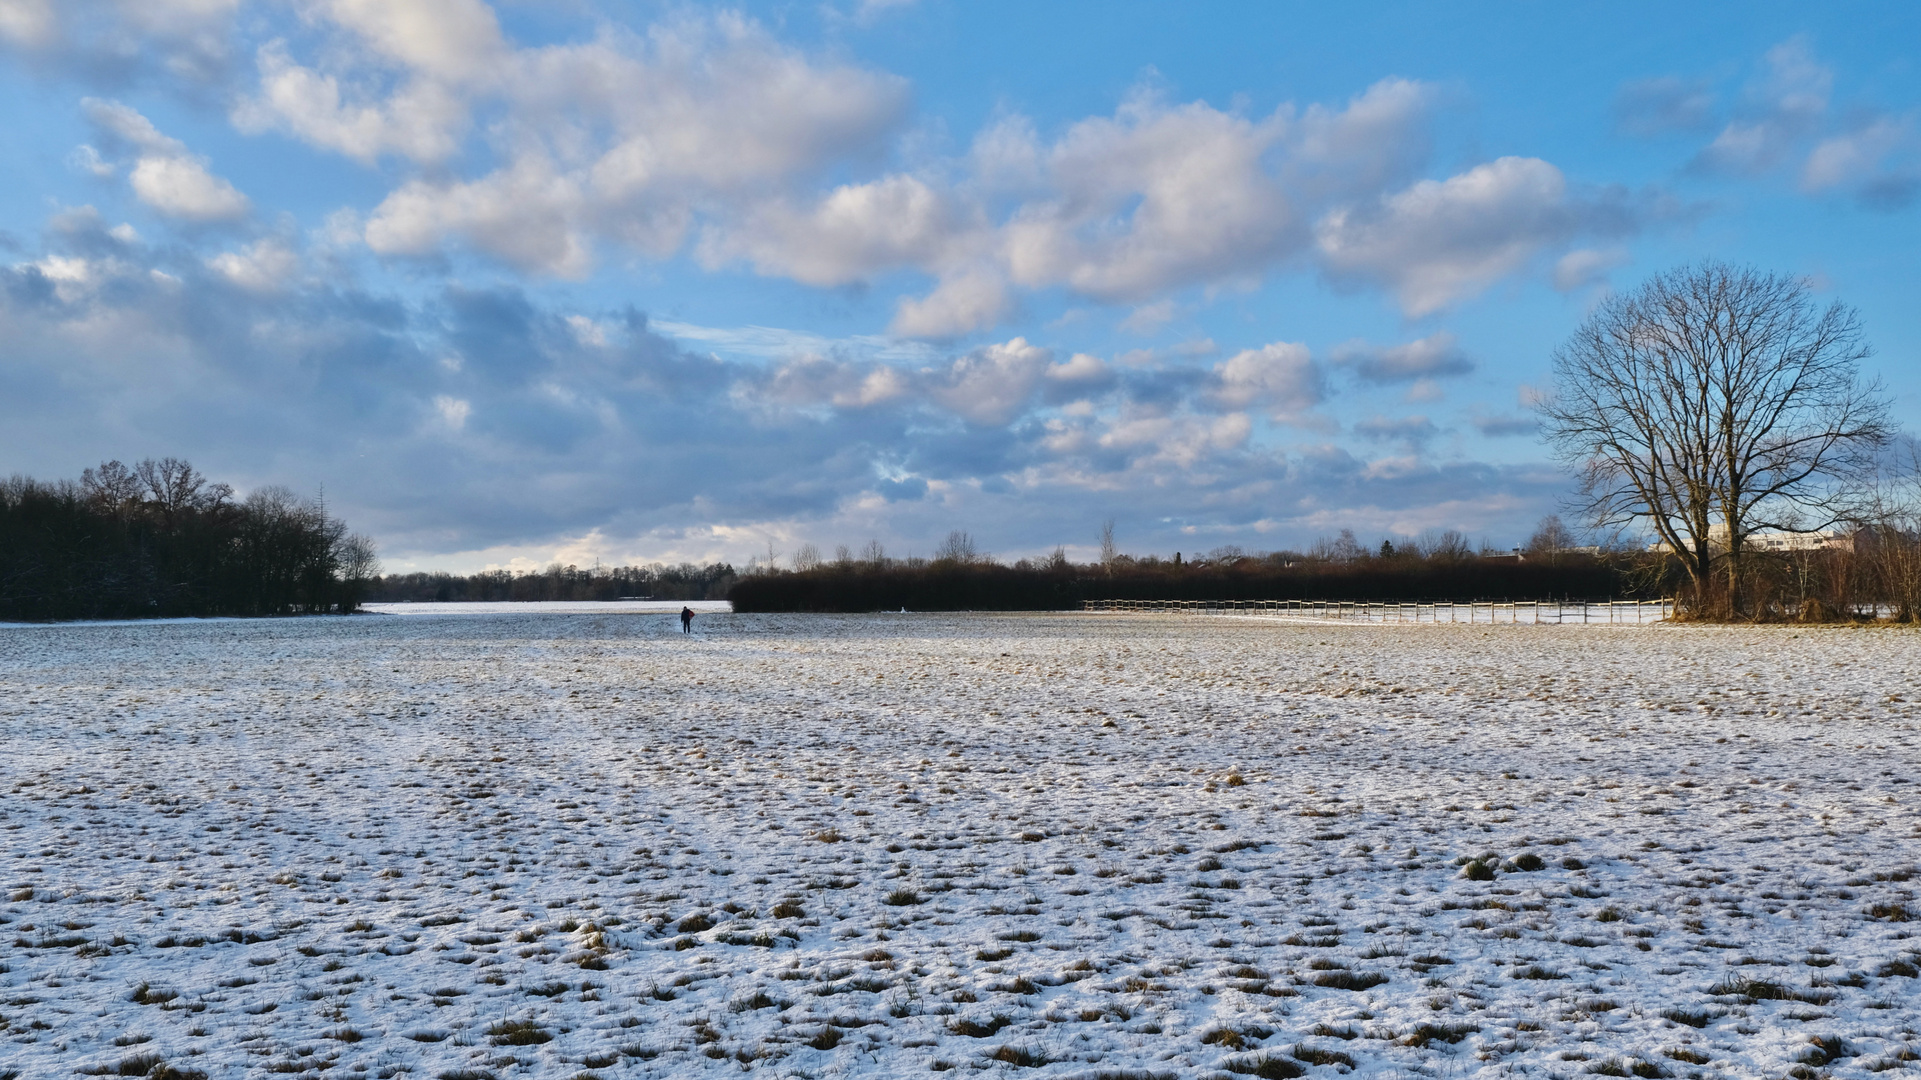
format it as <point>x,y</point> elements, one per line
<point>1779,540</point>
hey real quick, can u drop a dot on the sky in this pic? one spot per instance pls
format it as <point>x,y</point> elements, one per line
<point>586,282</point>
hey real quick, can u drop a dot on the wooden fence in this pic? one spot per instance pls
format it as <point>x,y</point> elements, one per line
<point>1550,612</point>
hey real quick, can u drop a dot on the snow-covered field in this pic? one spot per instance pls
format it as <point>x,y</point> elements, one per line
<point>552,607</point>
<point>1051,845</point>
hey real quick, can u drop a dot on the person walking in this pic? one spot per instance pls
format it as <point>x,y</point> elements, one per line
<point>686,620</point>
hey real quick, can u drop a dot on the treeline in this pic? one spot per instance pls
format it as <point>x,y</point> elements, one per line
<point>159,540</point>
<point>1873,572</point>
<point>656,582</point>
<point>976,584</point>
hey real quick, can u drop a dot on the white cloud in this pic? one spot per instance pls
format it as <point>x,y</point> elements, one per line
<point>1586,266</point>
<point>423,120</point>
<point>1854,157</point>
<point>1435,356</point>
<point>1079,368</point>
<point>1784,106</point>
<point>1282,377</point>
<point>1378,140</point>
<point>525,214</point>
<point>959,305</point>
<point>262,267</point>
<point>1124,208</point>
<point>28,22</point>
<point>182,187</point>
<point>986,386</point>
<point>1441,241</point>
<point>452,40</point>
<point>165,175</point>
<point>122,39</point>
<point>991,384</point>
<point>855,231</point>
<point>1787,120</point>
<point>812,381</point>
<point>633,139</point>
<point>1156,197</point>
<point>452,412</point>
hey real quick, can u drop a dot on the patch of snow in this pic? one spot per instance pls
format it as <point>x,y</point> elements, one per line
<point>548,844</point>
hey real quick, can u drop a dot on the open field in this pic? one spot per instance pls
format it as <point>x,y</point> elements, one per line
<point>1052,845</point>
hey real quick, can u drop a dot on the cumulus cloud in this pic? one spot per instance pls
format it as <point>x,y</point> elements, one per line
<point>453,40</point>
<point>1786,120</point>
<point>1783,106</point>
<point>986,386</point>
<point>1868,159</point>
<point>960,305</point>
<point>423,119</point>
<point>1154,197</point>
<point>990,385</point>
<point>855,231</point>
<point>525,214</point>
<point>1157,197</point>
<point>707,133</point>
<point>710,129</point>
<point>1435,356</point>
<point>264,266</point>
<point>631,139</point>
<point>1441,241</point>
<point>30,23</point>
<point>1282,377</point>
<point>165,175</point>
<point>118,41</point>
<point>1080,369</point>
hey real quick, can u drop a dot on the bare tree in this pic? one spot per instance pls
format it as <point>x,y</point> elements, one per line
<point>1108,551</point>
<point>957,548</point>
<point>807,558</point>
<point>113,488</point>
<point>1550,539</point>
<point>1889,535</point>
<point>1342,549</point>
<point>1712,402</point>
<point>1447,545</point>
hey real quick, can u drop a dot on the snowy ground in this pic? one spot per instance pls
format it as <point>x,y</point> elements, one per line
<point>1049,845</point>
<point>552,607</point>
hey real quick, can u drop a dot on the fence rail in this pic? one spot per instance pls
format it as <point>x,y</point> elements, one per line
<point>1550,612</point>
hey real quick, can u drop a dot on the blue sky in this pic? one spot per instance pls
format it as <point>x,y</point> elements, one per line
<point>636,282</point>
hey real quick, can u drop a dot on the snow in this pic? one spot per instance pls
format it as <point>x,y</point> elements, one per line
<point>550,607</point>
<point>543,844</point>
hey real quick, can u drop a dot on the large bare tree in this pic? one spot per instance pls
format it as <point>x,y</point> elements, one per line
<point>1712,402</point>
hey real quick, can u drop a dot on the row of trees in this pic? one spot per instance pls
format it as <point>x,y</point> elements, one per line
<point>958,577</point>
<point>159,539</point>
<point>685,581</point>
